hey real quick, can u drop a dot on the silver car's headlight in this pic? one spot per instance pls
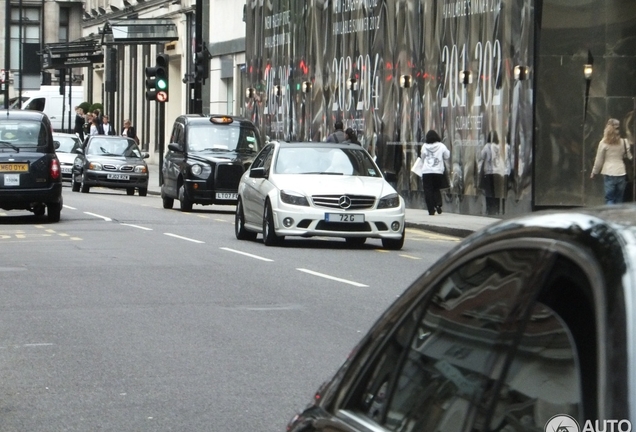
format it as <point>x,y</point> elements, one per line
<point>389,201</point>
<point>95,166</point>
<point>293,198</point>
<point>141,169</point>
<point>196,169</point>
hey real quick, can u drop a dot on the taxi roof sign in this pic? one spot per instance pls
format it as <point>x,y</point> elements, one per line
<point>221,119</point>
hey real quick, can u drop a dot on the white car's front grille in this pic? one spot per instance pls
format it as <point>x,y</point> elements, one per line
<point>347,202</point>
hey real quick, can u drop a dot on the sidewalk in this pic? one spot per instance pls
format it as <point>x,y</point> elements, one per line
<point>453,224</point>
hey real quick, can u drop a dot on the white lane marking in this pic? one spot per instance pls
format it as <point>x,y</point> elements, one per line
<point>107,219</point>
<point>247,254</point>
<point>137,226</point>
<point>68,207</point>
<point>37,344</point>
<point>332,278</point>
<point>184,238</point>
<point>410,257</point>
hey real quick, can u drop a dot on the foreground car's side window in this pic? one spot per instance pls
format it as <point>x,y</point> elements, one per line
<point>441,369</point>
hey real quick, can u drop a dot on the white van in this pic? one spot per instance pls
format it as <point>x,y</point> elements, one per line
<point>58,108</point>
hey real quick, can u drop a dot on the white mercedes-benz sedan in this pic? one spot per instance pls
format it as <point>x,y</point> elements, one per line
<point>318,189</point>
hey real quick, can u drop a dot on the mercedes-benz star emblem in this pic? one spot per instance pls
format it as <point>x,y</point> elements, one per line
<point>344,202</point>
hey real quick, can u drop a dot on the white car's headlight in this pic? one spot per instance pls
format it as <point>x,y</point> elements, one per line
<point>293,198</point>
<point>95,166</point>
<point>140,169</point>
<point>389,201</point>
<point>196,169</point>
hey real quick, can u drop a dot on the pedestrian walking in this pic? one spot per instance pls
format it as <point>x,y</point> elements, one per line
<point>338,135</point>
<point>352,137</point>
<point>434,154</point>
<point>129,131</point>
<point>96,126</point>
<point>79,122</point>
<point>108,128</point>
<point>491,171</point>
<point>609,162</point>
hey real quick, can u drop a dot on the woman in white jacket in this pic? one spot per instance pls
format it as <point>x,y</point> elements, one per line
<point>434,153</point>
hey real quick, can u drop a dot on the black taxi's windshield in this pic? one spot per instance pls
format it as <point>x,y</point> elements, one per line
<point>22,134</point>
<point>221,138</point>
<point>113,147</point>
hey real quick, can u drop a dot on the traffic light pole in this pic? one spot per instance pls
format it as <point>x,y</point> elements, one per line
<point>161,130</point>
<point>197,96</point>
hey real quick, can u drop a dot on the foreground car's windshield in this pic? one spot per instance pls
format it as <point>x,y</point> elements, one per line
<point>334,161</point>
<point>212,138</point>
<point>67,144</point>
<point>113,147</point>
<point>23,133</point>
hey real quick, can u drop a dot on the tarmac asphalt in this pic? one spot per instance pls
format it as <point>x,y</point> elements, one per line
<point>452,224</point>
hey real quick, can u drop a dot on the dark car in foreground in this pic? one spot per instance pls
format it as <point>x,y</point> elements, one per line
<point>30,177</point>
<point>206,158</point>
<point>110,161</point>
<point>529,319</point>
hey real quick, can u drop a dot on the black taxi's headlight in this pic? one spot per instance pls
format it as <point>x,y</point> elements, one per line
<point>389,201</point>
<point>293,198</point>
<point>196,169</point>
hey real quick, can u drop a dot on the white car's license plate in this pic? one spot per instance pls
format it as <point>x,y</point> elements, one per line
<point>117,176</point>
<point>66,170</point>
<point>344,217</point>
<point>12,179</point>
<point>226,196</point>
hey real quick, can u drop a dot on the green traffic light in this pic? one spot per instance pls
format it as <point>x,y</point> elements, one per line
<point>161,84</point>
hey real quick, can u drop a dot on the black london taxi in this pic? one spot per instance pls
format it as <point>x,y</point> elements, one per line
<point>30,174</point>
<point>527,325</point>
<point>206,158</point>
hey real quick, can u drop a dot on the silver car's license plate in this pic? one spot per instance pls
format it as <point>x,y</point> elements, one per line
<point>226,196</point>
<point>66,170</point>
<point>344,217</point>
<point>117,176</point>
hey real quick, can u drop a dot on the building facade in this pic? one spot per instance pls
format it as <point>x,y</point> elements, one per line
<point>511,70</point>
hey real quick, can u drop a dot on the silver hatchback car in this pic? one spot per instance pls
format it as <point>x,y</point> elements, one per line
<point>527,325</point>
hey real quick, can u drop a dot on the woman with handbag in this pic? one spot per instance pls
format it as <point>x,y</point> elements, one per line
<point>610,160</point>
<point>434,154</point>
<point>129,131</point>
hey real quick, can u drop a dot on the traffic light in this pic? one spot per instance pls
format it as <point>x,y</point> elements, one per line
<point>60,74</point>
<point>200,66</point>
<point>157,80</point>
<point>161,78</point>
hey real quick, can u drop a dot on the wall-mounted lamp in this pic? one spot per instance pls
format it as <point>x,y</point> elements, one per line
<point>405,81</point>
<point>352,84</point>
<point>588,69</point>
<point>306,86</point>
<point>465,77</point>
<point>521,72</point>
<point>250,92</point>
<point>278,90</point>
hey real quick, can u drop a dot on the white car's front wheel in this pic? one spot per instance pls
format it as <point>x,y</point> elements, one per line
<point>269,233</point>
<point>394,244</point>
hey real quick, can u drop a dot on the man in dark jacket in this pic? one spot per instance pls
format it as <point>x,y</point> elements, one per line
<point>338,135</point>
<point>79,122</point>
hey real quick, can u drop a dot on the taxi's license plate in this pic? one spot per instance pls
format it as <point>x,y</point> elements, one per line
<point>344,217</point>
<point>14,167</point>
<point>117,176</point>
<point>226,196</point>
<point>12,179</point>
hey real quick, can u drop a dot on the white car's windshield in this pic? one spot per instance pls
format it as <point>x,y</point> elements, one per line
<point>67,144</point>
<point>317,160</point>
<point>113,147</point>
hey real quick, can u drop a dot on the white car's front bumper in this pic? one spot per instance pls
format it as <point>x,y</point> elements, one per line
<point>291,220</point>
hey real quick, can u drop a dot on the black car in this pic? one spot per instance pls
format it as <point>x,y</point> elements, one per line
<point>30,175</point>
<point>527,325</point>
<point>206,158</point>
<point>110,161</point>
